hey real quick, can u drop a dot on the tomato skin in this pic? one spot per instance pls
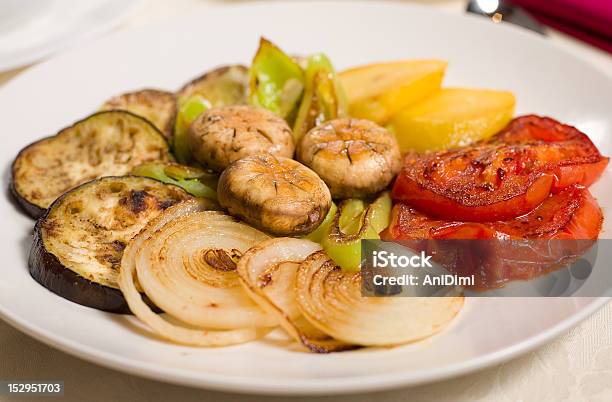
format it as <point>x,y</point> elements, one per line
<point>437,205</point>
<point>503,177</point>
<point>559,230</point>
<point>584,174</point>
<point>571,214</point>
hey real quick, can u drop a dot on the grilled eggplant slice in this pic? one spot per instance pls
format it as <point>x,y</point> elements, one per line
<point>79,242</point>
<point>108,143</point>
<point>227,85</point>
<point>157,106</point>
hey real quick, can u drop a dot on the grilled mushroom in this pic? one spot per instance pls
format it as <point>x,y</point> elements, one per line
<point>275,194</point>
<point>355,158</point>
<point>223,135</point>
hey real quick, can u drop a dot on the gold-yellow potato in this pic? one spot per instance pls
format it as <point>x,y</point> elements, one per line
<point>378,91</point>
<point>452,117</point>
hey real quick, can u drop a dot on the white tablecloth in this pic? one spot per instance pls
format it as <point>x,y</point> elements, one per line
<point>575,367</point>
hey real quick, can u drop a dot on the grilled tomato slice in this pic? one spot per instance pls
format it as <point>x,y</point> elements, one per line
<point>501,178</point>
<point>572,213</point>
<point>558,231</point>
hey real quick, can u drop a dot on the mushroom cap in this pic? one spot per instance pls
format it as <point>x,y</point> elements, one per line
<point>276,194</point>
<point>222,135</point>
<point>356,158</point>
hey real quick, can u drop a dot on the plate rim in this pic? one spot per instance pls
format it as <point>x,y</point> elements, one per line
<point>349,385</point>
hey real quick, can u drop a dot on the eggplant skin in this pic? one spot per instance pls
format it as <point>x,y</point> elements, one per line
<point>26,206</point>
<point>47,270</point>
<point>78,242</point>
<point>48,167</point>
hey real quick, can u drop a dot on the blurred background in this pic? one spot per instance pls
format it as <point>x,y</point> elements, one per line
<point>32,30</point>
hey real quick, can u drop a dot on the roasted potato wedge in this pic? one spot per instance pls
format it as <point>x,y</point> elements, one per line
<point>452,117</point>
<point>378,91</point>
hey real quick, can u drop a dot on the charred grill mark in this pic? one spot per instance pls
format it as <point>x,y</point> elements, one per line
<point>221,260</point>
<point>136,201</point>
<point>430,169</point>
<point>167,204</point>
<point>112,259</point>
<point>118,245</point>
<point>264,280</point>
<point>348,154</point>
<point>264,135</point>
<point>233,146</point>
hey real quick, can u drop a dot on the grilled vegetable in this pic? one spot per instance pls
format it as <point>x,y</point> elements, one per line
<point>276,81</point>
<point>324,98</point>
<point>452,117</point>
<point>227,85</point>
<point>79,242</point>
<point>378,92</point>
<point>223,135</point>
<point>502,178</point>
<point>159,107</point>
<point>267,271</point>
<point>223,86</point>
<point>197,182</point>
<point>563,227</point>
<point>103,144</point>
<point>354,222</point>
<point>185,260</point>
<point>188,112</point>
<point>570,214</point>
<point>321,231</point>
<point>275,194</point>
<point>584,167</point>
<point>355,158</point>
<point>331,300</point>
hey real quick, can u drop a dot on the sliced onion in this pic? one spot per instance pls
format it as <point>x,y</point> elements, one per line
<point>268,272</point>
<point>331,300</point>
<point>183,261</point>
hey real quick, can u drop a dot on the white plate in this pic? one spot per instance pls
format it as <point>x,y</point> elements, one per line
<point>33,29</point>
<point>52,95</point>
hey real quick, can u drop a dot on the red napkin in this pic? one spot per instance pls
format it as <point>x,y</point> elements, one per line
<point>588,20</point>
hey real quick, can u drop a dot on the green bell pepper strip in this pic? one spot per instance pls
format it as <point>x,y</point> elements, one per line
<point>352,223</point>
<point>276,81</point>
<point>187,113</point>
<point>324,98</point>
<point>321,231</point>
<point>195,181</point>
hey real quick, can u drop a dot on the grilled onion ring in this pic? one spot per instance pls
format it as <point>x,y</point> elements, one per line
<point>183,262</point>
<point>331,300</point>
<point>268,272</point>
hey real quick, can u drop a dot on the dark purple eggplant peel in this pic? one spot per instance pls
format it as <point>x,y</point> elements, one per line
<point>78,243</point>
